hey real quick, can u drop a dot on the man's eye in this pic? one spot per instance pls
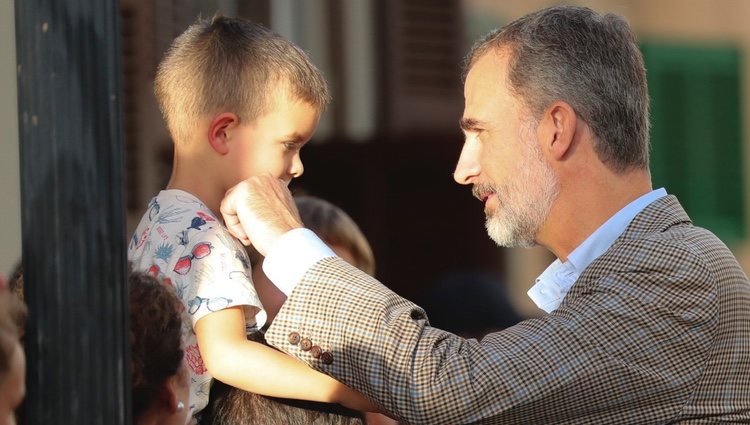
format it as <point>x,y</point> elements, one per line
<point>473,135</point>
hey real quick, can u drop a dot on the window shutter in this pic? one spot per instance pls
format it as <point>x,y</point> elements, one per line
<point>696,132</point>
<point>422,56</point>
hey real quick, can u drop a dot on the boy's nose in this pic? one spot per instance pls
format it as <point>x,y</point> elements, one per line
<point>297,167</point>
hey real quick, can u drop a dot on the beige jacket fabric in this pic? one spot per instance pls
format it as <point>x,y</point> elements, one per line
<point>655,330</point>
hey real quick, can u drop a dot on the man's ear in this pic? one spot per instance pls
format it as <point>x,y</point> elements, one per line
<point>557,129</point>
<point>219,131</point>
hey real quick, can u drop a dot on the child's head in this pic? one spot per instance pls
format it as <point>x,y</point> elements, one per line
<point>159,374</point>
<point>338,230</point>
<point>12,360</point>
<point>12,374</point>
<point>252,95</point>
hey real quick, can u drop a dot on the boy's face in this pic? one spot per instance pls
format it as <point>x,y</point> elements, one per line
<point>270,144</point>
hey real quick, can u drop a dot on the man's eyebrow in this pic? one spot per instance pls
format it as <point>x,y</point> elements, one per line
<point>469,124</point>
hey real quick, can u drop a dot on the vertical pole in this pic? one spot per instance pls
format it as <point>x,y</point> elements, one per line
<point>73,211</point>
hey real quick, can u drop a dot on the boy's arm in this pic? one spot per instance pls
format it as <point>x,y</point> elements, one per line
<point>258,368</point>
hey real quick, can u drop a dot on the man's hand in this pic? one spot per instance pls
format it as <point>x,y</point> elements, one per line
<point>259,210</point>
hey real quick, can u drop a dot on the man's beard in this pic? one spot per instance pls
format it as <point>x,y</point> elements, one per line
<point>523,202</point>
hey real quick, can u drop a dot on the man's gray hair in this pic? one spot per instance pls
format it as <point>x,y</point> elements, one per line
<point>591,62</point>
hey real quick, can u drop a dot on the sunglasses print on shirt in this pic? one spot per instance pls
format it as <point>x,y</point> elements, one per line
<point>200,250</point>
<point>213,304</point>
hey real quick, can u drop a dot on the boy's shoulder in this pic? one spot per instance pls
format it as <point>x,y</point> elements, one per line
<point>176,206</point>
<point>173,215</point>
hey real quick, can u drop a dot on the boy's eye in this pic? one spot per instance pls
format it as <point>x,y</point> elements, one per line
<point>293,145</point>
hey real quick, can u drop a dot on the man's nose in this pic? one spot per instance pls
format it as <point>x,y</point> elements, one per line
<point>468,163</point>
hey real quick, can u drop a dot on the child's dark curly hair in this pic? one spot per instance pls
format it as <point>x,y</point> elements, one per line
<point>155,338</point>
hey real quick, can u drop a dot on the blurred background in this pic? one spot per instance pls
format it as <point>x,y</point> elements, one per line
<point>386,148</point>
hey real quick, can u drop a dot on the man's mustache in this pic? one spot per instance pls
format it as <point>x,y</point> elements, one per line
<point>482,191</point>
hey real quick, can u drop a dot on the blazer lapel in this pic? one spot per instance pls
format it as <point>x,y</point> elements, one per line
<point>656,218</point>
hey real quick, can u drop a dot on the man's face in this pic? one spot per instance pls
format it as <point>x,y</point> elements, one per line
<point>271,144</point>
<point>501,156</point>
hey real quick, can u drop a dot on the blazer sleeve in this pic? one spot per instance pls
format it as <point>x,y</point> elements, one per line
<point>573,366</point>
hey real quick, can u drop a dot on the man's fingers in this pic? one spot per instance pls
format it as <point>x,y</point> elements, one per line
<point>238,232</point>
<point>259,210</point>
<point>228,209</point>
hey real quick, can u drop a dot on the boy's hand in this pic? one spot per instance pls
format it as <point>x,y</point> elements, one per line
<point>259,210</point>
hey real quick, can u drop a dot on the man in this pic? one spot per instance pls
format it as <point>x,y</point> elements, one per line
<point>648,314</point>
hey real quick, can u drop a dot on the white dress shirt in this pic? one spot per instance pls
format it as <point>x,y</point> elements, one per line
<point>292,255</point>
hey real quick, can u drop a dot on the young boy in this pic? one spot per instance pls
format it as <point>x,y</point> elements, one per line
<point>238,101</point>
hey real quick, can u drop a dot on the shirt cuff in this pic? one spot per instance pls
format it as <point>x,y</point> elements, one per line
<point>292,255</point>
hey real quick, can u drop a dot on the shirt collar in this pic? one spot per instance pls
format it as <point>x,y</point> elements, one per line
<point>555,282</point>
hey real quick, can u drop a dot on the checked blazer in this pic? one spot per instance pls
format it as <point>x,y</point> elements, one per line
<point>656,330</point>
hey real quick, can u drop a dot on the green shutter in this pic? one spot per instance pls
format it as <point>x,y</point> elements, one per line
<point>696,135</point>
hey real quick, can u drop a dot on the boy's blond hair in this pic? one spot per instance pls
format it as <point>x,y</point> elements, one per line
<point>231,65</point>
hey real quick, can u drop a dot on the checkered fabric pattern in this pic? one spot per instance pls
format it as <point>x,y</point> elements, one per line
<point>656,330</point>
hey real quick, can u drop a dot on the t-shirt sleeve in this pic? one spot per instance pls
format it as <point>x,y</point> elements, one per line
<point>214,273</point>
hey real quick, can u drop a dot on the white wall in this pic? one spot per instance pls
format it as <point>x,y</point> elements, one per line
<point>10,193</point>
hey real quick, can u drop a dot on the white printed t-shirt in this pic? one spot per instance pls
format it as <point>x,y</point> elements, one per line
<point>181,239</point>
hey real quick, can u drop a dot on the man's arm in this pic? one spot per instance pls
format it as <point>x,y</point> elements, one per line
<point>600,358</point>
<point>383,345</point>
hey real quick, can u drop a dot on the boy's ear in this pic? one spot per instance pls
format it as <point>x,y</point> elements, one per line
<point>557,129</point>
<point>219,131</point>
